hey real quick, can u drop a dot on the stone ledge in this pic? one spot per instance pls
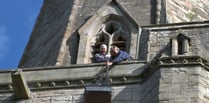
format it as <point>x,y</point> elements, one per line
<point>176,26</point>
<point>72,77</point>
<point>183,61</point>
<point>69,77</point>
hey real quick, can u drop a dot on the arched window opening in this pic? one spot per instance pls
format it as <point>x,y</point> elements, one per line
<point>183,44</point>
<point>180,51</point>
<point>180,45</point>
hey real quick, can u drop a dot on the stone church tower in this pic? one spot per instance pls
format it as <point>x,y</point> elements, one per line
<point>167,39</point>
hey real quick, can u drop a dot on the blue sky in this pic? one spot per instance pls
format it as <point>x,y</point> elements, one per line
<point>17,18</point>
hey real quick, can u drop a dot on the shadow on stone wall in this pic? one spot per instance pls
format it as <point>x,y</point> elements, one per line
<point>143,92</point>
<point>73,44</point>
<point>143,45</point>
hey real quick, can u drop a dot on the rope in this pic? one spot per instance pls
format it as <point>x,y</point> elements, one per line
<point>104,77</point>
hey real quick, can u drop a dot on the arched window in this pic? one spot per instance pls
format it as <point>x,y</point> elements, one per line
<point>111,33</point>
<point>180,45</point>
<point>110,26</point>
<point>183,44</point>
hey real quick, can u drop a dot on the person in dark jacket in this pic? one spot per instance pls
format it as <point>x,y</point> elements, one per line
<point>117,55</point>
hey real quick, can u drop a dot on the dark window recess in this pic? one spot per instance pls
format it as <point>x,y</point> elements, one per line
<point>182,44</point>
<point>120,42</point>
<point>180,39</point>
<point>180,49</point>
<point>111,28</point>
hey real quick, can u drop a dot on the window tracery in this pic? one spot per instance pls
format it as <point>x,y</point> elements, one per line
<point>112,33</point>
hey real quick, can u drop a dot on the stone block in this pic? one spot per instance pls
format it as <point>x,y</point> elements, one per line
<point>20,87</point>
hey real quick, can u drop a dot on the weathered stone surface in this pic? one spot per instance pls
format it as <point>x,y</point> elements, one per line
<point>160,40</point>
<point>183,88</point>
<point>187,10</point>
<point>20,86</point>
<point>128,93</point>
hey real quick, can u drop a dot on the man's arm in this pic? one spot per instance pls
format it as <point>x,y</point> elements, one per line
<point>121,57</point>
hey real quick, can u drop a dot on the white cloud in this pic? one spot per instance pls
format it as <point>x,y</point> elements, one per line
<point>4,42</point>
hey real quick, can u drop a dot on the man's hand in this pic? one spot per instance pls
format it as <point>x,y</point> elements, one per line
<point>109,63</point>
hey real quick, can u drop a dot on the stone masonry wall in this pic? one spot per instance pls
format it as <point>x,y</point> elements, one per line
<point>139,10</point>
<point>183,85</point>
<point>204,86</point>
<point>187,10</point>
<point>142,11</point>
<point>145,92</point>
<point>171,84</point>
<point>160,41</point>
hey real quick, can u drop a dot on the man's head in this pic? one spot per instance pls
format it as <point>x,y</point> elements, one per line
<point>114,50</point>
<point>103,48</point>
